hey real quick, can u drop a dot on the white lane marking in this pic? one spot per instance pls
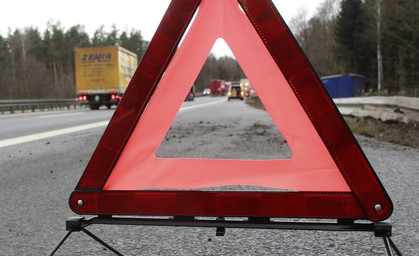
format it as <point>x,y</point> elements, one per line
<point>60,115</point>
<point>43,135</point>
<point>199,105</point>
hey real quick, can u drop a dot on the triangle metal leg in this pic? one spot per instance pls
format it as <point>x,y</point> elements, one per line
<point>76,224</point>
<point>390,246</point>
<point>101,241</point>
<point>60,243</point>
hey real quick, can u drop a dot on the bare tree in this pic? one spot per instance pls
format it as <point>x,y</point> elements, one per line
<point>316,37</point>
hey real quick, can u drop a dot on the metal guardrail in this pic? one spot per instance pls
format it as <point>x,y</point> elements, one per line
<point>401,102</point>
<point>20,106</point>
<point>390,108</point>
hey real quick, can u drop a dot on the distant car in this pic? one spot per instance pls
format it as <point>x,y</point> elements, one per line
<point>206,91</point>
<point>235,91</point>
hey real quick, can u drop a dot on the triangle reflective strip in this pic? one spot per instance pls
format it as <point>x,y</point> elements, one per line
<point>109,182</point>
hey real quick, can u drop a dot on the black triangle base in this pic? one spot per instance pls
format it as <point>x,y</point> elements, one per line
<point>380,229</point>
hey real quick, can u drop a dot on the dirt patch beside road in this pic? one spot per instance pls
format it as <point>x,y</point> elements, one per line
<point>395,132</point>
<point>391,131</point>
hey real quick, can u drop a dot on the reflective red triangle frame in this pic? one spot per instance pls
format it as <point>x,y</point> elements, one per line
<point>368,199</point>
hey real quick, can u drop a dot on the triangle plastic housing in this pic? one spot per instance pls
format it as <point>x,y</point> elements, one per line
<point>328,175</point>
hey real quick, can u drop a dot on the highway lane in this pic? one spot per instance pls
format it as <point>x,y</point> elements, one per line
<point>13,126</point>
<point>37,177</point>
<point>21,128</point>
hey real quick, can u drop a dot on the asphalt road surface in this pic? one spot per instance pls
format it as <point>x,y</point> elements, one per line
<point>38,175</point>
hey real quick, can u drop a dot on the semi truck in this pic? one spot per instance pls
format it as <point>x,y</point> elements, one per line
<point>103,74</point>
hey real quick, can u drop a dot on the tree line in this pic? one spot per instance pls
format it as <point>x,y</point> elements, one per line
<point>378,39</point>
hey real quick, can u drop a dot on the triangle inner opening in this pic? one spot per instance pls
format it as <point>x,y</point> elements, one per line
<point>215,125</point>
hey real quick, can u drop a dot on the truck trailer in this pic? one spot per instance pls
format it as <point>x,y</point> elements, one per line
<point>103,74</point>
<point>344,86</point>
<point>218,87</point>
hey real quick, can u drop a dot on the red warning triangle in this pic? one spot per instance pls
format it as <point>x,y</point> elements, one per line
<point>328,175</point>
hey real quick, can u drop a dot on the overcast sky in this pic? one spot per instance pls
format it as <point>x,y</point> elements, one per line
<point>144,15</point>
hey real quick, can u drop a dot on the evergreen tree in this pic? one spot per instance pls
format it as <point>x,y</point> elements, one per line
<point>348,35</point>
<point>4,67</point>
<point>56,45</point>
<point>112,37</point>
<point>76,36</point>
<point>133,42</point>
<point>36,43</point>
<point>99,37</point>
<point>400,44</point>
<point>4,55</point>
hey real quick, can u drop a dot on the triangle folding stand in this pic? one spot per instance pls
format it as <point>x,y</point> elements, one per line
<point>328,176</point>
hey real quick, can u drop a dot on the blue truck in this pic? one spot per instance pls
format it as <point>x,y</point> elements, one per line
<point>344,86</point>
